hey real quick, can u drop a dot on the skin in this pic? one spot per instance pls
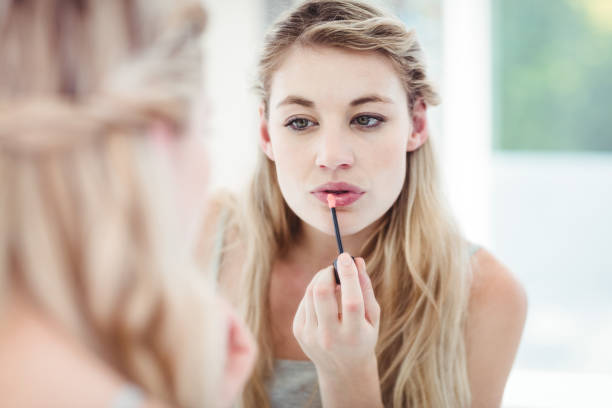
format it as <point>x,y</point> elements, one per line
<point>237,350</point>
<point>313,319</point>
<point>324,125</point>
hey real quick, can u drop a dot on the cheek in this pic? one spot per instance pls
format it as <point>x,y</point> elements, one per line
<point>292,163</point>
<point>388,167</point>
<point>390,160</point>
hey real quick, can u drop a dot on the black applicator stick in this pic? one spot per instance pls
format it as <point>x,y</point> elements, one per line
<point>331,201</point>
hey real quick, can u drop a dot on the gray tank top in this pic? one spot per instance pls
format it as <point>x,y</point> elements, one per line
<point>294,383</point>
<point>129,396</point>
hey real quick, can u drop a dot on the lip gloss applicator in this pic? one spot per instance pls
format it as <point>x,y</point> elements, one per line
<point>331,202</point>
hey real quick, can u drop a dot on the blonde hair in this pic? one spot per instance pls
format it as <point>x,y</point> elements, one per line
<point>85,228</point>
<point>417,258</point>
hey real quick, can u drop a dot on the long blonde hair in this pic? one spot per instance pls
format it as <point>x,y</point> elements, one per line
<point>417,258</point>
<point>85,219</point>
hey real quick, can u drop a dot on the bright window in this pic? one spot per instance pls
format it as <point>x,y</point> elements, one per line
<point>553,74</point>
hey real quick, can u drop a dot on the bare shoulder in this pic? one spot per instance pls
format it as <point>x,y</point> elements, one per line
<point>220,241</point>
<point>494,285</point>
<point>496,318</point>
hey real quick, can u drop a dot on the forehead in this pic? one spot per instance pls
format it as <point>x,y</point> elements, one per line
<point>329,74</point>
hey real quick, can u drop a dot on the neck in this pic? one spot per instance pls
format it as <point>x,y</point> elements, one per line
<point>315,250</point>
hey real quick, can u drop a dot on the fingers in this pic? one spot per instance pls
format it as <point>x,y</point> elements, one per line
<point>299,320</point>
<point>320,308</point>
<point>372,309</point>
<point>311,314</point>
<point>352,299</point>
<point>325,302</point>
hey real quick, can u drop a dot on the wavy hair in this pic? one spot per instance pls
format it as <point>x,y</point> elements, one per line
<point>85,219</point>
<point>417,258</point>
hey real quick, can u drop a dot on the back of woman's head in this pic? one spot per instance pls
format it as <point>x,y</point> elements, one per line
<point>85,232</point>
<point>68,47</point>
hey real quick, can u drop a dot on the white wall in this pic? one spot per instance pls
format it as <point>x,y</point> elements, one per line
<point>466,118</point>
<point>232,41</point>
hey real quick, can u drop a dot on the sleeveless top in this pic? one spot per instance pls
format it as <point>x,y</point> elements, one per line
<point>294,383</point>
<point>129,396</point>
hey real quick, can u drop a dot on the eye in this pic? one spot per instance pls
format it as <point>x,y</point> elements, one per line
<point>367,121</point>
<point>299,123</point>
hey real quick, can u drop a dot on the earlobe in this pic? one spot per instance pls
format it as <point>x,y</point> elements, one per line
<point>410,144</point>
<point>416,140</point>
<point>266,147</point>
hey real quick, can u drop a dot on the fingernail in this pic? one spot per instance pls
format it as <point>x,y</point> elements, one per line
<point>345,259</point>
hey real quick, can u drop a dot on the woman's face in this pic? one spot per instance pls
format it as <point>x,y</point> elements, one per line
<point>338,123</point>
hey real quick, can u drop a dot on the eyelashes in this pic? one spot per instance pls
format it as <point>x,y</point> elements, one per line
<point>363,121</point>
<point>299,124</point>
<point>368,121</point>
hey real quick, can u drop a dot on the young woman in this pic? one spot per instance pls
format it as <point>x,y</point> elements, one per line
<point>422,318</point>
<point>100,306</point>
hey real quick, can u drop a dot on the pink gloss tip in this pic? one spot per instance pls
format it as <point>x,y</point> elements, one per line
<point>331,200</point>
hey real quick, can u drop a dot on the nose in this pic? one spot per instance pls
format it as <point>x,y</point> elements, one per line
<point>335,151</point>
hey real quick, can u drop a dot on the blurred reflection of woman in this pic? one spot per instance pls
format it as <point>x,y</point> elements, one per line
<point>100,306</point>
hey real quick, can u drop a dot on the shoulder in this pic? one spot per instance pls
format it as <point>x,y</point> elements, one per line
<point>496,316</point>
<point>494,285</point>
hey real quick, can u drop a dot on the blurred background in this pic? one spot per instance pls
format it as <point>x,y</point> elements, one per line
<point>524,135</point>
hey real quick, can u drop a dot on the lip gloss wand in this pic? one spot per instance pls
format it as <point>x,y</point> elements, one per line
<point>331,202</point>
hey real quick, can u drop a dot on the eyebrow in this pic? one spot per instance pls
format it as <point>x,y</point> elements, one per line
<point>297,100</point>
<point>370,99</point>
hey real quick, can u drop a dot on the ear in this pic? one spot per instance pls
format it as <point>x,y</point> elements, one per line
<point>161,134</point>
<point>264,135</point>
<point>239,358</point>
<point>420,130</point>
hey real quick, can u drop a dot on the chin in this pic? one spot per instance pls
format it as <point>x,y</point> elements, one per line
<point>319,218</point>
<point>324,226</point>
<point>351,229</point>
<point>348,224</point>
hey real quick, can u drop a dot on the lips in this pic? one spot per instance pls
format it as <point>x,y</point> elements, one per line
<point>345,193</point>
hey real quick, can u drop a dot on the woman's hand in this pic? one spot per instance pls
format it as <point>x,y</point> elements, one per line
<point>341,340</point>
